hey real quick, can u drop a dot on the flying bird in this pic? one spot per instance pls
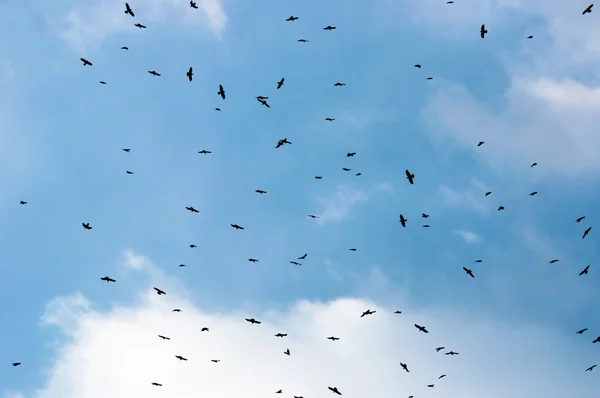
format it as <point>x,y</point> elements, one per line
<point>313,216</point>
<point>580,219</point>
<point>480,143</point>
<point>16,363</point>
<point>287,351</point>
<point>291,19</point>
<point>102,82</point>
<point>192,209</point>
<point>591,368</point>
<point>404,366</point>
<point>582,330</point>
<point>221,91</point>
<point>530,37</point>
<point>588,10</point>
<point>483,31</point>
<point>128,10</point>
<point>333,338</point>
<point>139,25</point>
<point>451,353</point>
<point>107,279</point>
<point>303,40</point>
<point>164,337</point>
<point>259,191</point>
<point>403,220</point>
<point>469,272</point>
<point>282,335</point>
<point>553,261</point>
<point>157,384</point>
<point>193,4</point>
<point>368,312</point>
<point>86,225</point>
<point>280,83</point>
<point>124,48</point>
<point>22,202</point>
<point>236,226</point>
<point>126,149</point>
<point>585,270</point>
<point>417,66</point>
<point>329,119</point>
<point>329,27</point>
<point>159,292</point>
<point>85,62</point>
<point>154,73</point>
<point>533,164</point>
<point>334,390</point>
<point>421,328</point>
<point>253,321</point>
<point>410,177</point>
<point>586,232</point>
<point>180,358</point>
<point>303,257</point>
<point>204,152</point>
<point>350,154</point>
<point>439,349</point>
<point>533,193</point>
<point>338,84</point>
<point>190,73</point>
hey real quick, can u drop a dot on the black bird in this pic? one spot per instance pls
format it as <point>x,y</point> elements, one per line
<point>597,340</point>
<point>281,335</point>
<point>157,384</point>
<point>404,366</point>
<point>192,246</point>
<point>587,231</point>
<point>397,312</point>
<point>86,225</point>
<point>421,328</point>
<point>102,82</point>
<point>128,10</point>
<point>346,169</point>
<point>530,37</point>
<point>291,19</point>
<point>193,4</point>
<point>295,263</point>
<point>278,391</point>
<point>129,172</point>
<point>204,152</point>
<point>424,215</point>
<point>333,338</point>
<point>442,376</point>
<point>582,330</point>
<point>329,119</point>
<point>164,337</point>
<point>264,102</point>
<point>533,193</point>
<point>480,143</point>
<point>303,40</point>
<point>318,177</point>
<point>338,84</point>
<point>180,358</point>
<point>350,154</point>
<point>16,363</point>
<point>282,142</point>
<point>159,292</point>
<point>139,25</point>
<point>439,349</point>
<point>191,208</point>
<point>469,272</point>
<point>451,353</point>
<point>329,27</point>
<point>107,279</point>
<point>127,149</point>
<point>488,193</point>
<point>287,351</point>
<point>500,208</point>
<point>303,257</point>
<point>585,270</point>
<point>124,48</point>
<point>221,91</point>
<point>334,390</point>
<point>368,312</point>
<point>426,225</point>
<point>85,62</point>
<point>533,164</point>
<point>22,202</point>
<point>260,191</point>
<point>483,31</point>
<point>189,74</point>
<point>430,385</point>
<point>588,10</point>
<point>313,216</point>
<point>280,83</point>
<point>553,261</point>
<point>357,174</point>
<point>253,321</point>
<point>591,368</point>
<point>215,360</point>
<point>417,66</point>
<point>236,226</point>
<point>352,250</point>
<point>176,310</point>
<point>580,219</point>
<point>403,220</point>
<point>154,73</point>
<point>410,177</point>
<point>204,329</point>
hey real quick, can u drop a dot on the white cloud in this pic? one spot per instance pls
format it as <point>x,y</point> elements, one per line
<point>471,198</point>
<point>86,23</point>
<point>385,186</point>
<point>118,353</point>
<point>337,207</point>
<point>468,236</point>
<point>134,261</point>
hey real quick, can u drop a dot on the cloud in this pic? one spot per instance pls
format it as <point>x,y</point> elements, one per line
<point>87,25</point>
<point>385,186</point>
<point>118,353</point>
<point>468,236</point>
<point>471,198</point>
<point>337,207</point>
<point>134,261</point>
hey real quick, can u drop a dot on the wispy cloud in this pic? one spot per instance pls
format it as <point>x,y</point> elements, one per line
<point>468,236</point>
<point>337,206</point>
<point>471,198</point>
<point>87,24</point>
<point>134,261</point>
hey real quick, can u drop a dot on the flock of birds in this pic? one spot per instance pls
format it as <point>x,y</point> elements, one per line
<point>282,142</point>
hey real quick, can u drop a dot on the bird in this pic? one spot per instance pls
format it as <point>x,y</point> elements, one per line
<point>579,219</point>
<point>417,66</point>
<point>22,202</point>
<point>430,78</point>
<point>582,330</point>
<point>253,321</point>
<point>107,279</point>
<point>403,220</point>
<point>530,37</point>
<point>291,19</point>
<point>278,391</point>
<point>295,263</point>
<point>124,48</point>
<point>236,226</point>
<point>488,193</point>
<point>318,177</point>
<point>157,384</point>
<point>280,83</point>
<point>421,328</point>
<point>193,4</point>
<point>287,351</point>
<point>397,312</point>
<point>86,225</point>
<point>451,353</point>
<point>368,312</point>
<point>190,73</point>
<point>591,368</point>
<point>16,363</point>
<point>424,215</point>
<point>352,250</point>
<point>338,84</point>
<point>442,376</point>
<point>264,102</point>
<point>85,62</point>
<point>128,150</point>
<point>533,164</point>
<point>164,337</point>
<point>586,232</point>
<point>410,177</point>
<point>282,142</point>
<point>282,335</point>
<point>333,338</point>
<point>405,367</point>
<point>500,208</point>
<point>426,225</point>
<point>129,172</point>
<point>334,390</point>
<point>128,10</point>
<point>478,261</point>
<point>253,260</point>
<point>597,340</point>
<point>259,191</point>
<point>483,31</point>
<point>346,169</point>
<point>585,270</point>
<point>180,358</point>
<point>329,27</point>
<point>588,10</point>
<point>303,40</point>
<point>439,349</point>
<point>480,143</point>
<point>139,25</point>
<point>204,152</point>
<point>221,91</point>
<point>154,73</point>
<point>533,193</point>
<point>553,261</point>
<point>469,272</point>
<point>159,292</point>
<point>313,216</point>
<point>176,310</point>
<point>329,119</point>
<point>350,154</point>
<point>303,257</point>
<point>430,385</point>
<point>204,329</point>
<point>192,209</point>
<point>102,82</point>
<point>192,246</point>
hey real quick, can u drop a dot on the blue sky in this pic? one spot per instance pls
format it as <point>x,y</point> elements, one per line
<point>62,133</point>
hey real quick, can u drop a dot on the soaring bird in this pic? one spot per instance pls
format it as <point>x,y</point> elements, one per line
<point>157,384</point>
<point>338,84</point>
<point>192,209</point>
<point>587,231</point>
<point>469,272</point>
<point>180,358</point>
<point>421,328</point>
<point>403,220</point>
<point>368,312</point>
<point>107,279</point>
<point>190,73</point>
<point>591,368</point>
<point>588,10</point>
<point>253,321</point>
<point>85,62</point>
<point>580,219</point>
<point>128,10</point>
<point>329,27</point>
<point>253,260</point>
<point>585,270</point>
<point>303,257</point>
<point>287,351</point>
<point>291,19</point>
<point>280,83</point>
<point>404,366</point>
<point>410,177</point>
<point>159,292</point>
<point>204,152</point>
<point>260,191</point>
<point>193,4</point>
<point>333,338</point>
<point>236,226</point>
<point>335,390</point>
<point>154,73</point>
<point>86,225</point>
<point>164,337</point>
<point>282,335</point>
<point>483,31</point>
<point>139,25</point>
<point>582,330</point>
<point>221,91</point>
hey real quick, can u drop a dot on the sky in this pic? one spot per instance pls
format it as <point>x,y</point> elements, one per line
<point>514,325</point>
